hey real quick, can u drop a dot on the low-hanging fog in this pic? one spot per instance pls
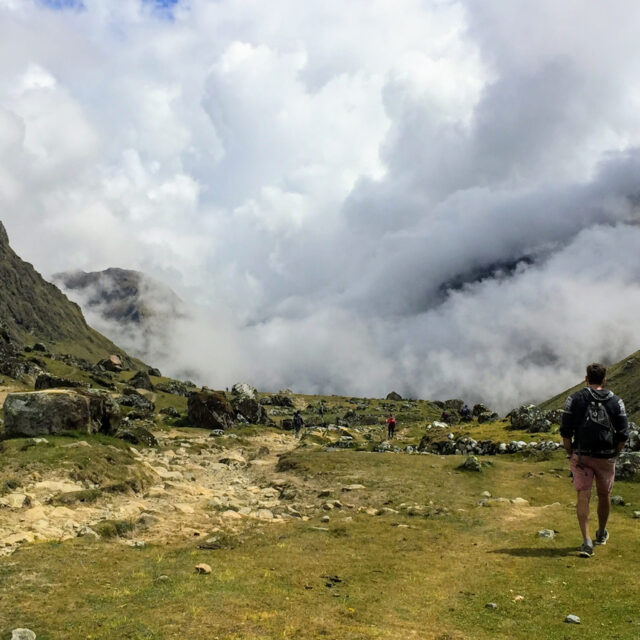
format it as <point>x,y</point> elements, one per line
<point>440,198</point>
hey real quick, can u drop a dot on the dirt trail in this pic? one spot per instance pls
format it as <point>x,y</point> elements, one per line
<point>199,489</point>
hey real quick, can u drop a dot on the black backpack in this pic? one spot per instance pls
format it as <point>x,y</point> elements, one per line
<point>595,436</point>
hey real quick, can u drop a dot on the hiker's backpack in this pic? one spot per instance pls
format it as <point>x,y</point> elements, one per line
<point>596,435</point>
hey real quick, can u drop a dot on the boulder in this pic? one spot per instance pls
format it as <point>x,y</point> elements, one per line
<point>487,416</point>
<point>152,371</point>
<point>251,410</point>
<point>479,409</point>
<point>112,363</point>
<point>244,390</point>
<point>393,396</point>
<point>530,418</point>
<point>23,634</point>
<point>141,380</point>
<point>47,381</point>
<point>53,412</point>
<point>210,410</point>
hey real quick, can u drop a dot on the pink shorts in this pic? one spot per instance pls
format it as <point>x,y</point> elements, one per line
<point>603,469</point>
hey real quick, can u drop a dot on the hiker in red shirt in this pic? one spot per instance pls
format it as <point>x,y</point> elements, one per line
<point>391,426</point>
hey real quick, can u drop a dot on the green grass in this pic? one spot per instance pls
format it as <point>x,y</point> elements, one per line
<point>107,462</point>
<point>428,579</point>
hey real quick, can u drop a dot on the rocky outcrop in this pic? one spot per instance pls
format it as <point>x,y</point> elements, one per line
<point>54,412</point>
<point>393,396</point>
<point>530,418</point>
<point>47,381</point>
<point>210,410</point>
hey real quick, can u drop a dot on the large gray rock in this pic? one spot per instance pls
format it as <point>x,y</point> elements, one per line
<point>210,410</point>
<point>53,412</point>
<point>23,634</point>
<point>251,410</point>
<point>393,396</point>
<point>530,418</point>
<point>131,398</point>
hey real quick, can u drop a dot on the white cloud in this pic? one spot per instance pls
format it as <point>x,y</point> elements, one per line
<point>364,195</point>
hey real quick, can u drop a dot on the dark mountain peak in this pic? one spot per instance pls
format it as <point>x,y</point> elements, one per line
<point>33,309</point>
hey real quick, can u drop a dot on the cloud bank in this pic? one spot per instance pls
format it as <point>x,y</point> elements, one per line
<point>435,197</point>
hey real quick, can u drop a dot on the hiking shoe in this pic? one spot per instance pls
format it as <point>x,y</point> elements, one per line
<point>586,550</point>
<point>602,537</point>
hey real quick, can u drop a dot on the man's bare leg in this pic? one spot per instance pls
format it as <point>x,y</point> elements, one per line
<point>582,510</point>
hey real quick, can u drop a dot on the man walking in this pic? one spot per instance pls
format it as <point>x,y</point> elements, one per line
<point>594,430</point>
<point>297,423</point>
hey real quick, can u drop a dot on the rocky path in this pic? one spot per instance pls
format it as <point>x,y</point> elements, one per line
<point>198,489</point>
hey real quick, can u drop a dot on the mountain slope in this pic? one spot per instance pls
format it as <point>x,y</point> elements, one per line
<point>34,310</point>
<point>623,378</point>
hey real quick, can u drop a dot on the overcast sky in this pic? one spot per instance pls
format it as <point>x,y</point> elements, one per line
<point>439,197</point>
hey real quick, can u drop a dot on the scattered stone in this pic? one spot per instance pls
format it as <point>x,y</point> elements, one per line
<point>73,445</point>
<point>353,487</point>
<point>232,458</point>
<point>325,519</point>
<point>386,511</point>
<point>203,569</point>
<point>618,500</point>
<point>15,501</point>
<point>547,533</point>
<point>23,634</point>
<point>485,494</point>
<point>491,605</point>
<point>87,532</point>
<point>471,464</point>
<point>571,619</point>
<point>136,434</point>
<point>636,514</point>
<point>520,501</point>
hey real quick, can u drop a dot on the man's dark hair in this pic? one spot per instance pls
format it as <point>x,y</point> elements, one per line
<point>596,373</point>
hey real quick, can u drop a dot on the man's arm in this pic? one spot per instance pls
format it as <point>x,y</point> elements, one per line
<point>567,427</point>
<point>621,425</point>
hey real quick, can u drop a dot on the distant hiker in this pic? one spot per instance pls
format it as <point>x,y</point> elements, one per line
<point>465,414</point>
<point>594,430</point>
<point>297,423</point>
<point>391,426</point>
<point>445,416</point>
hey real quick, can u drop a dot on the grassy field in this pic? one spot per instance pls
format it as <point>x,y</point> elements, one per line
<point>424,572</point>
